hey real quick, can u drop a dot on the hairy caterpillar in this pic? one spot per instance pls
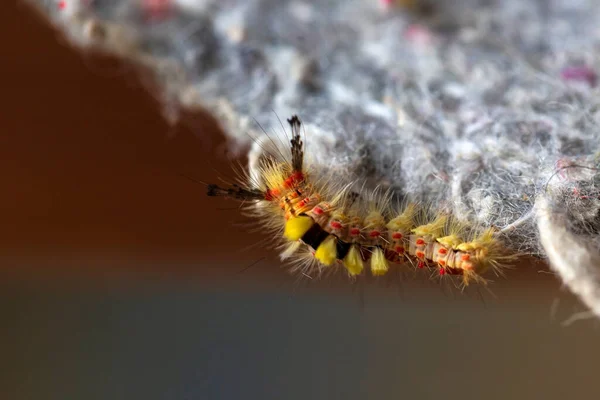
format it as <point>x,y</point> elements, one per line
<point>322,225</point>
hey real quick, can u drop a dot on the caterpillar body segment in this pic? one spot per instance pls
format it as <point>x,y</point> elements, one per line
<point>321,225</point>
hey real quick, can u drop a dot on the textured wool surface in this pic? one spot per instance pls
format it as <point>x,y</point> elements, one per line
<point>481,107</point>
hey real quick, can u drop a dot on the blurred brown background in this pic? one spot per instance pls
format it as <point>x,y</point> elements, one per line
<point>91,170</point>
<point>120,279</point>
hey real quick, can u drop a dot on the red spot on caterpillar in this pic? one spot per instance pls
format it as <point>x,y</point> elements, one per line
<point>318,210</point>
<point>374,234</point>
<point>465,257</point>
<point>271,194</point>
<point>298,176</point>
<point>354,231</point>
<point>443,251</point>
<point>293,179</point>
<point>304,202</point>
<point>397,236</point>
<point>442,262</point>
<point>399,249</point>
<point>442,271</point>
<point>420,254</point>
<point>421,265</point>
<point>62,5</point>
<point>335,225</point>
<point>420,242</point>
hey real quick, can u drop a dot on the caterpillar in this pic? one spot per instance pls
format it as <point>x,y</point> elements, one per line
<point>321,225</point>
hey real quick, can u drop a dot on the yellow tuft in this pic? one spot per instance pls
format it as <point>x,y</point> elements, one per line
<point>434,229</point>
<point>326,252</point>
<point>485,241</point>
<point>272,173</point>
<point>353,261</point>
<point>379,265</point>
<point>296,227</point>
<point>471,276</point>
<point>450,241</point>
<point>404,221</point>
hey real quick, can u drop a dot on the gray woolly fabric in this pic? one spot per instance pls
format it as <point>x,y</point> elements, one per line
<point>481,107</point>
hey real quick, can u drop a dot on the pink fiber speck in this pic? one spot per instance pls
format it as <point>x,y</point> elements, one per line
<point>418,34</point>
<point>156,9</point>
<point>579,73</point>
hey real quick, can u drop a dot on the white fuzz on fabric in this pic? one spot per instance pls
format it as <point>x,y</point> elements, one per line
<point>569,255</point>
<point>481,106</point>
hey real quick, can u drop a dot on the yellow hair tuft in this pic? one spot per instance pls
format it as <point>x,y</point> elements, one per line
<point>450,241</point>
<point>296,227</point>
<point>374,220</point>
<point>434,229</point>
<point>485,241</point>
<point>353,261</point>
<point>326,252</point>
<point>404,221</point>
<point>379,265</point>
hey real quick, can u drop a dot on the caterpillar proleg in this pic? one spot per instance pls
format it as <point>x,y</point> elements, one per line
<point>322,225</point>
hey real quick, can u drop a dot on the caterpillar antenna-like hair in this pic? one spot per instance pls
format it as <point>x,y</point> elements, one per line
<point>235,192</point>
